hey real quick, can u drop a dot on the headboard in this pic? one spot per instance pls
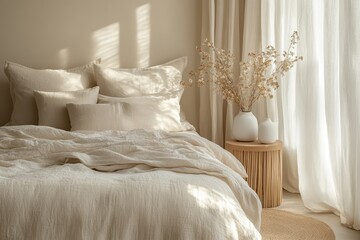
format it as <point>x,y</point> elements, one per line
<point>64,34</point>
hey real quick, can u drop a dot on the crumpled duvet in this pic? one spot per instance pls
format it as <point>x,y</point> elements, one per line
<point>139,184</point>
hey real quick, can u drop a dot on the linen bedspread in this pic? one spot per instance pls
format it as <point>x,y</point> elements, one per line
<point>139,184</point>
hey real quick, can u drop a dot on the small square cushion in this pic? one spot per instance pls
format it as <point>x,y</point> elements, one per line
<point>52,105</point>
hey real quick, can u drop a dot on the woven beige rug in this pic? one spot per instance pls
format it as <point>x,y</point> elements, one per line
<point>282,225</point>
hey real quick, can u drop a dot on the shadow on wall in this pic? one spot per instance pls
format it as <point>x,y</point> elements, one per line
<point>64,34</point>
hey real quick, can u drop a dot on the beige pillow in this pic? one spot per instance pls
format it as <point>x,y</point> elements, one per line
<point>52,105</point>
<point>161,79</point>
<point>153,113</point>
<point>23,81</point>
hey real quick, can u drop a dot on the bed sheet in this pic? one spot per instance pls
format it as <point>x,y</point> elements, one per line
<point>139,184</point>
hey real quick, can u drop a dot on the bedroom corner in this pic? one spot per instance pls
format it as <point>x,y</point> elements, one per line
<point>127,34</point>
<point>191,119</point>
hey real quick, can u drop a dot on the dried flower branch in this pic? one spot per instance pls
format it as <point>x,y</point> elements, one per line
<point>258,76</point>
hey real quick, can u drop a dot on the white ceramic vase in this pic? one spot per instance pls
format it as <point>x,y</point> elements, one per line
<point>268,131</point>
<point>245,127</point>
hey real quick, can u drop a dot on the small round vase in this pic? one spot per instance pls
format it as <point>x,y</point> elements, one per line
<point>268,131</point>
<point>245,127</point>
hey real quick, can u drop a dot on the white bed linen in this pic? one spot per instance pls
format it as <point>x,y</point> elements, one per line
<point>139,184</point>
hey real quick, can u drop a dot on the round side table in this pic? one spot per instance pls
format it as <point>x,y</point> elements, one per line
<point>263,164</point>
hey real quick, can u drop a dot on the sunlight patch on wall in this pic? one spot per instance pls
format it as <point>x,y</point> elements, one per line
<point>143,32</point>
<point>63,56</point>
<point>106,44</point>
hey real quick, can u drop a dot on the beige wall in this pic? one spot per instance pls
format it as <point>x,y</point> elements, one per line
<point>67,33</point>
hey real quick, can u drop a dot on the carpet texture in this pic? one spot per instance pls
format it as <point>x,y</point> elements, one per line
<point>282,225</point>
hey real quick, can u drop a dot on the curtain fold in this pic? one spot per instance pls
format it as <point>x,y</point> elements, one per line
<point>349,85</point>
<point>222,22</point>
<point>261,29</point>
<point>317,104</point>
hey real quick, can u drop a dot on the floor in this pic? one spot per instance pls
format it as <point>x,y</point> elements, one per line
<point>292,202</point>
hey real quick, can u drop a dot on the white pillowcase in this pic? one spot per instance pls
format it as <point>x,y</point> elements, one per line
<point>52,105</point>
<point>157,80</point>
<point>166,101</point>
<point>170,100</point>
<point>23,81</point>
<point>151,112</point>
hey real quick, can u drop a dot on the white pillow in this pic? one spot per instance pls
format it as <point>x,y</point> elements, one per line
<point>161,79</point>
<point>52,105</point>
<point>152,112</point>
<point>23,81</point>
<point>170,99</point>
<point>166,101</point>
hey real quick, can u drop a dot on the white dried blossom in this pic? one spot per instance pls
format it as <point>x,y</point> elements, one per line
<point>258,76</point>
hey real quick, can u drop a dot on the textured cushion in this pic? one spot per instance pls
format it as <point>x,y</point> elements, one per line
<point>52,105</point>
<point>165,101</point>
<point>161,79</point>
<point>151,112</point>
<point>172,99</point>
<point>23,81</point>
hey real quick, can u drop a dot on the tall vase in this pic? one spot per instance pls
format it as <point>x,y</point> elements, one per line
<point>245,127</point>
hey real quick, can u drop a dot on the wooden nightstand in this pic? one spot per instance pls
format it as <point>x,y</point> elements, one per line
<point>263,164</point>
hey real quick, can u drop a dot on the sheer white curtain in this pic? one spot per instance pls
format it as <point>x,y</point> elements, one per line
<point>318,103</point>
<point>222,25</point>
<point>261,28</point>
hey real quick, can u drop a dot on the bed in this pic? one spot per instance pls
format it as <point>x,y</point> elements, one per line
<point>133,177</point>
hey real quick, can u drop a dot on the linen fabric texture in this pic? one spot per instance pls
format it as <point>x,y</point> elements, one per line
<point>318,104</point>
<point>156,80</point>
<point>24,80</point>
<point>157,85</point>
<point>136,184</point>
<point>150,112</point>
<point>52,105</point>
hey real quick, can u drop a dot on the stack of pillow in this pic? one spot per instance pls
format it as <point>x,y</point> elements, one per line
<point>93,97</point>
